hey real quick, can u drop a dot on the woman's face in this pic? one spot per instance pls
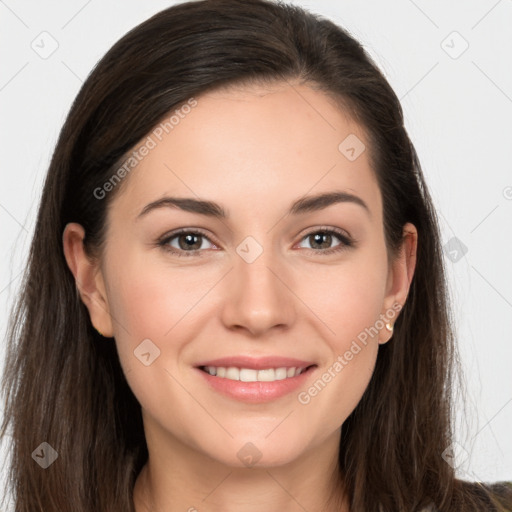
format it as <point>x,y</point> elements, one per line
<point>280,274</point>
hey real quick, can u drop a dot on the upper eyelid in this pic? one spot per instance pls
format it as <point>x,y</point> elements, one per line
<point>184,231</point>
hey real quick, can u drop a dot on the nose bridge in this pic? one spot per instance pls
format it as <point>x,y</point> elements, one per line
<point>257,299</point>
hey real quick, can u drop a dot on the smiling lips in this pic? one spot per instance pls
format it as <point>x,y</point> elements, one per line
<point>252,375</point>
<point>255,380</point>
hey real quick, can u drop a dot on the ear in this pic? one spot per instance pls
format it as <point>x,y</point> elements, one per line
<point>400,275</point>
<point>88,278</point>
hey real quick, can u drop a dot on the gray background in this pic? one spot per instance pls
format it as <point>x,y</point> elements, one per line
<point>458,108</point>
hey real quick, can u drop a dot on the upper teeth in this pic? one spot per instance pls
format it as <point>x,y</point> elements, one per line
<point>251,375</point>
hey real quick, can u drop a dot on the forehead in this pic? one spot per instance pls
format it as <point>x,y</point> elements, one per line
<point>259,142</point>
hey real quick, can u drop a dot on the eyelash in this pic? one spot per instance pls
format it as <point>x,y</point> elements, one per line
<point>347,242</point>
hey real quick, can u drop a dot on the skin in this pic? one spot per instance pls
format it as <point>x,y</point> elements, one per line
<point>254,151</point>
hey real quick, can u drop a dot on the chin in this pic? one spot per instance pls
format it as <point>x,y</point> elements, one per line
<point>258,452</point>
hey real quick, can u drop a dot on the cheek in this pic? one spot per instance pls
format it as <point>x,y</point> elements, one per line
<point>348,298</point>
<point>150,300</point>
<point>157,310</point>
<point>348,303</point>
<point>151,305</point>
<point>142,304</point>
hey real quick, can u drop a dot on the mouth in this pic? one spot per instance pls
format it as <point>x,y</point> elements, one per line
<point>254,375</point>
<point>259,384</point>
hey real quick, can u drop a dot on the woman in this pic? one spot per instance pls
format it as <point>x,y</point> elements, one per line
<point>235,298</point>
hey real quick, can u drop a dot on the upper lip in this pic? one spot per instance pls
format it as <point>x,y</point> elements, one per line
<point>257,363</point>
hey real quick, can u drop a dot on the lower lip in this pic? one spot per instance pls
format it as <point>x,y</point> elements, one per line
<point>256,392</point>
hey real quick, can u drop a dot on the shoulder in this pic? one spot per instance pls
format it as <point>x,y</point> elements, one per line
<point>484,497</point>
<point>502,491</point>
<point>494,497</point>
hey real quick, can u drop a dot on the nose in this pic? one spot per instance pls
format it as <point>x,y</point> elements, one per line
<point>258,297</point>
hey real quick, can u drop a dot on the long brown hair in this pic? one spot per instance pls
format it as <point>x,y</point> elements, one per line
<point>63,383</point>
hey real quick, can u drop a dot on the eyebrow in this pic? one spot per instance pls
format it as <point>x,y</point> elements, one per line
<point>212,209</point>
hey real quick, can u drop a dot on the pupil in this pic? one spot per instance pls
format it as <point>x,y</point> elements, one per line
<point>319,236</point>
<point>189,240</point>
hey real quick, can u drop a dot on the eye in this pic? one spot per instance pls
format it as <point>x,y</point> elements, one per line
<point>324,237</point>
<point>184,242</point>
<point>189,242</point>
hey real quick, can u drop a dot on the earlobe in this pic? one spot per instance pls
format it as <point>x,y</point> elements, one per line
<point>88,278</point>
